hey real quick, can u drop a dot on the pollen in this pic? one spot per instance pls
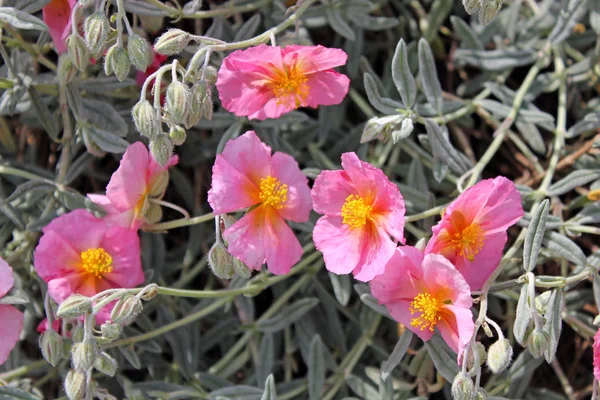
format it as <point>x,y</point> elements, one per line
<point>290,88</point>
<point>273,192</point>
<point>96,262</point>
<point>355,212</point>
<point>468,241</point>
<point>429,308</point>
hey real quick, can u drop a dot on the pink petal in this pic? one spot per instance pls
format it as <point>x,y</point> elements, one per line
<point>376,250</point>
<point>231,190</point>
<point>249,156</point>
<point>6,277</point>
<point>330,191</point>
<point>62,287</point>
<point>10,329</point>
<point>596,361</point>
<point>154,168</point>
<point>477,272</point>
<point>271,107</point>
<point>54,257</point>
<point>338,243</point>
<point>246,238</point>
<point>503,208</point>
<point>298,204</point>
<point>326,88</point>
<point>79,229</point>
<point>128,184</point>
<point>282,248</point>
<point>456,327</point>
<point>123,245</point>
<point>440,276</point>
<point>57,15</point>
<point>313,58</point>
<point>126,219</point>
<point>400,279</point>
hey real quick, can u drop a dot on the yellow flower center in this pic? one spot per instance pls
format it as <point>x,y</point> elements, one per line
<point>355,212</point>
<point>273,192</point>
<point>429,308</point>
<point>468,241</point>
<point>96,262</point>
<point>290,88</point>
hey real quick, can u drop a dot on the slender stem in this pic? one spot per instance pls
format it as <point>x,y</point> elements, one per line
<point>6,170</point>
<point>172,206</point>
<point>65,154</point>
<point>425,214</point>
<point>178,223</point>
<point>24,370</point>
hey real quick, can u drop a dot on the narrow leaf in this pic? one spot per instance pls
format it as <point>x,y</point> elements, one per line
<point>21,20</point>
<point>553,325</point>
<point>564,247</point>
<point>403,78</point>
<point>397,354</point>
<point>535,235</point>
<point>444,363</point>
<point>316,369</point>
<point>266,359</point>
<point>573,180</point>
<point>341,287</point>
<point>269,393</point>
<point>287,316</point>
<point>429,78</point>
<point>572,11</point>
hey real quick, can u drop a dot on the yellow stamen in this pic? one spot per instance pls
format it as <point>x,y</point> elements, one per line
<point>429,308</point>
<point>290,88</point>
<point>355,212</point>
<point>96,262</point>
<point>468,241</point>
<point>273,192</point>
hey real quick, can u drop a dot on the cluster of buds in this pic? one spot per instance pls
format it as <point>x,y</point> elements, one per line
<point>487,9</point>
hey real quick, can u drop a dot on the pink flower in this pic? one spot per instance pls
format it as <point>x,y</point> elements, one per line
<point>362,210</point>
<point>596,347</point>
<point>472,232</point>
<point>266,82</point>
<point>57,15</point>
<point>424,292</point>
<point>137,181</point>
<point>79,253</point>
<point>247,175</point>
<point>11,318</point>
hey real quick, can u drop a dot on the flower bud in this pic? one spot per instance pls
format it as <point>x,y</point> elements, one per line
<point>481,394</point>
<point>139,52</point>
<point>96,28</point>
<point>110,331</point>
<point>146,119</point>
<point>207,105</point>
<point>151,293</point>
<point>66,69</point>
<point>380,128</point>
<point>538,343</point>
<point>489,9</point>
<point>499,356</point>
<point>220,261</point>
<point>471,5</point>
<point>177,135</point>
<point>78,51</point>
<point>159,184</point>
<point>126,310</point>
<point>119,62</point>
<point>210,75</point>
<point>241,269</point>
<point>83,354</point>
<point>75,306</point>
<point>51,345</point>
<point>153,214</point>
<point>86,3</point>
<point>480,349</point>
<point>177,101</point>
<point>161,149</point>
<point>106,364</point>
<point>462,387</point>
<point>172,42</point>
<point>75,385</point>
<point>76,334</point>
<point>108,60</point>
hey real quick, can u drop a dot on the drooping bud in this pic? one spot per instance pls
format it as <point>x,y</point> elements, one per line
<point>146,119</point>
<point>96,28</point>
<point>241,269</point>
<point>108,60</point>
<point>172,42</point>
<point>489,9</point>
<point>126,310</point>
<point>481,394</point>
<point>220,261</point>
<point>139,52</point>
<point>83,354</point>
<point>471,5</point>
<point>161,149</point>
<point>177,135</point>
<point>120,63</point>
<point>78,51</point>
<point>480,349</point>
<point>159,184</point>
<point>207,104</point>
<point>76,335</point>
<point>75,306</point>
<point>153,214</point>
<point>462,387</point>
<point>210,75</point>
<point>66,69</point>
<point>177,101</point>
<point>51,345</point>
<point>197,95</point>
<point>499,356</point>
<point>75,385</point>
<point>110,331</point>
<point>106,364</point>
<point>538,342</point>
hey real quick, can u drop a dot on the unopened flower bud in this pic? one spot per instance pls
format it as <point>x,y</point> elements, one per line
<point>480,349</point>
<point>108,60</point>
<point>177,135</point>
<point>119,61</point>
<point>241,269</point>
<point>66,69</point>
<point>139,52</point>
<point>220,261</point>
<point>471,5</point>
<point>499,356</point>
<point>153,214</point>
<point>75,385</point>
<point>538,342</point>
<point>161,149</point>
<point>96,28</point>
<point>210,75</point>
<point>51,345</point>
<point>177,101</point>
<point>172,42</point>
<point>76,334</point>
<point>78,51</point>
<point>462,387</point>
<point>207,105</point>
<point>75,306</point>
<point>126,310</point>
<point>106,364</point>
<point>83,354</point>
<point>159,184</point>
<point>110,331</point>
<point>481,394</point>
<point>146,119</point>
<point>489,9</point>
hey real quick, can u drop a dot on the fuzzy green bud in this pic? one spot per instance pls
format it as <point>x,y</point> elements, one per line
<point>146,119</point>
<point>207,104</point>
<point>480,349</point>
<point>210,75</point>
<point>106,364</point>
<point>51,345</point>
<point>220,261</point>
<point>177,135</point>
<point>75,385</point>
<point>153,214</point>
<point>471,5</point>
<point>78,51</point>
<point>538,342</point>
<point>462,387</point>
<point>66,69</point>
<point>150,293</point>
<point>161,149</point>
<point>139,52</point>
<point>241,269</point>
<point>177,101</point>
<point>126,310</point>
<point>96,29</point>
<point>499,356</point>
<point>110,331</point>
<point>120,62</point>
<point>481,394</point>
<point>159,185</point>
<point>108,60</point>
<point>75,306</point>
<point>172,42</point>
<point>76,335</point>
<point>83,354</point>
<point>489,9</point>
